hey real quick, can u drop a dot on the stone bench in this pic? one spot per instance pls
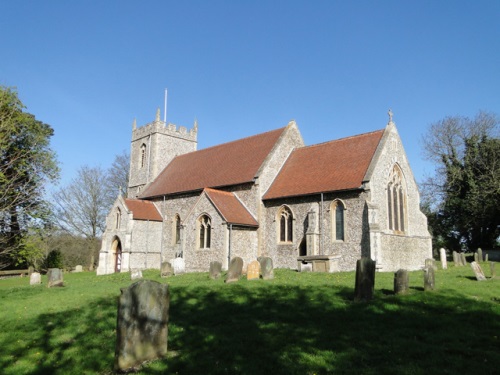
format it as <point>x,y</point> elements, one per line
<point>319,263</point>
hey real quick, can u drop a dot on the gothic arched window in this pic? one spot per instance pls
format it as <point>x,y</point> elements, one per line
<point>176,230</point>
<point>205,228</point>
<point>118,218</point>
<point>285,218</point>
<point>143,156</point>
<point>338,220</point>
<point>396,201</point>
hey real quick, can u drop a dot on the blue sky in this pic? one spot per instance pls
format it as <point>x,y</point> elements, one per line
<point>88,68</point>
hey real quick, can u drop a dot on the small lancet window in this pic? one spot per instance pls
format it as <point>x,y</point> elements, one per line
<point>118,218</point>
<point>177,229</point>
<point>396,203</point>
<point>205,232</point>
<point>338,220</point>
<point>286,225</point>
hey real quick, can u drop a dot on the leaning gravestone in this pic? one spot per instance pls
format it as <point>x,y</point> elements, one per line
<point>235,269</point>
<point>142,324</point>
<point>179,266</point>
<point>215,270</point>
<point>35,278</point>
<point>444,262</point>
<point>54,277</point>
<point>478,271</point>
<point>135,274</point>
<point>456,261</point>
<point>266,268</point>
<point>480,255</point>
<point>429,279</point>
<point>166,269</point>
<point>365,279</point>
<point>253,270</point>
<point>401,282</point>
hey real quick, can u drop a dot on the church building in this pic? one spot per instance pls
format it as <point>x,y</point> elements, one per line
<point>323,206</point>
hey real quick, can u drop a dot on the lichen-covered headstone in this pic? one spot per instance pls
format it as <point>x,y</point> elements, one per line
<point>365,279</point>
<point>135,274</point>
<point>444,262</point>
<point>253,270</point>
<point>266,268</point>
<point>401,282</point>
<point>235,269</point>
<point>142,324</point>
<point>478,271</point>
<point>54,277</point>
<point>429,278</point>
<point>35,278</point>
<point>179,266</point>
<point>479,255</point>
<point>166,269</point>
<point>215,270</point>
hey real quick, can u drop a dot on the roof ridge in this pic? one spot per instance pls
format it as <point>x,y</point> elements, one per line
<point>341,139</point>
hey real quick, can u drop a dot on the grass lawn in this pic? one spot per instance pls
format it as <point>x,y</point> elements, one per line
<point>298,323</point>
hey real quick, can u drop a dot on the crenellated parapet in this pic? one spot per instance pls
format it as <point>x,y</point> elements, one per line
<point>172,130</point>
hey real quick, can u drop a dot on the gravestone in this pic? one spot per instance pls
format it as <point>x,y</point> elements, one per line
<point>365,279</point>
<point>492,270</point>
<point>429,278</point>
<point>444,262</point>
<point>78,268</point>
<point>476,257</point>
<point>142,324</point>
<point>401,282</point>
<point>266,268</point>
<point>54,277</point>
<point>215,270</point>
<point>235,269</point>
<point>429,262</point>
<point>478,271</point>
<point>456,261</point>
<point>253,270</point>
<point>464,259</point>
<point>135,274</point>
<point>179,266</point>
<point>35,278</point>
<point>486,258</point>
<point>166,269</point>
<point>480,254</point>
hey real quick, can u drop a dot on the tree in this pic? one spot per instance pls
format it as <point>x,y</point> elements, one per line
<point>27,163</point>
<point>117,177</point>
<point>463,198</point>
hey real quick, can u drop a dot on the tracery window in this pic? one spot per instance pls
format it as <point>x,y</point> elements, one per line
<point>285,217</point>
<point>338,220</point>
<point>396,201</point>
<point>205,227</point>
<point>143,156</point>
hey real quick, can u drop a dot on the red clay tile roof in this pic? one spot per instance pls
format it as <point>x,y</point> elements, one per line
<point>331,166</point>
<point>223,165</point>
<point>231,208</point>
<point>143,210</point>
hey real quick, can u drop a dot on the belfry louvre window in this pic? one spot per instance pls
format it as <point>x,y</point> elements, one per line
<point>205,232</point>
<point>396,201</point>
<point>285,225</point>
<point>143,156</point>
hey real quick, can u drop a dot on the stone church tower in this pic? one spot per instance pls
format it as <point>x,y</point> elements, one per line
<point>153,147</point>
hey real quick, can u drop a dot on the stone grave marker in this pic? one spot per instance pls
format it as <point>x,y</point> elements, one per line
<point>365,279</point>
<point>480,255</point>
<point>464,259</point>
<point>215,270</point>
<point>401,282</point>
<point>135,274</point>
<point>429,278</point>
<point>456,261</point>
<point>476,257</point>
<point>429,262</point>
<point>253,270</point>
<point>266,268</point>
<point>78,268</point>
<point>478,271</point>
<point>486,258</point>
<point>54,277</point>
<point>35,278</point>
<point>166,269</point>
<point>235,269</point>
<point>492,270</point>
<point>444,262</point>
<point>142,324</point>
<point>179,266</point>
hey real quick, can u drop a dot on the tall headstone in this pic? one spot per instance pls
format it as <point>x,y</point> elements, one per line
<point>464,259</point>
<point>35,278</point>
<point>478,271</point>
<point>266,268</point>
<point>480,255</point>
<point>235,269</point>
<point>135,274</point>
<point>401,282</point>
<point>492,270</point>
<point>444,262</point>
<point>486,257</point>
<point>142,324</point>
<point>429,279</point>
<point>54,277</point>
<point>215,270</point>
<point>456,261</point>
<point>179,266</point>
<point>476,257</point>
<point>253,270</point>
<point>365,279</point>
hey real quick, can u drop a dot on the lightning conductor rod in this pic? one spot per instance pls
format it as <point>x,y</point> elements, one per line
<point>165,111</point>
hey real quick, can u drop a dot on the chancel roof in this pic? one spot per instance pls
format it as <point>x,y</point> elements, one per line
<point>143,210</point>
<point>227,164</point>
<point>230,208</point>
<point>326,167</point>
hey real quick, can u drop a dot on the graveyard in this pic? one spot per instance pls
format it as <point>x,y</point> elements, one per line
<point>295,323</point>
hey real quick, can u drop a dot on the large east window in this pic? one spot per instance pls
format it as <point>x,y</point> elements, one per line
<point>396,201</point>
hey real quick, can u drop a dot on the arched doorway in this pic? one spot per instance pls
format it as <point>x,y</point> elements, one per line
<point>116,247</point>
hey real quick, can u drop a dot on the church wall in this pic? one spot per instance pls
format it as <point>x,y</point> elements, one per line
<point>145,245</point>
<point>244,244</point>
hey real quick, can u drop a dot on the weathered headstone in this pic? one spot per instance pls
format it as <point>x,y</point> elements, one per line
<point>480,255</point>
<point>429,262</point>
<point>135,274</point>
<point>179,266</point>
<point>492,270</point>
<point>476,257</point>
<point>456,260</point>
<point>253,270</point>
<point>464,259</point>
<point>166,269</point>
<point>142,324</point>
<point>429,278</point>
<point>35,278</point>
<point>215,270</point>
<point>235,269</point>
<point>78,268</point>
<point>365,279</point>
<point>444,262</point>
<point>266,268</point>
<point>486,258</point>
<point>54,277</point>
<point>478,271</point>
<point>401,282</point>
